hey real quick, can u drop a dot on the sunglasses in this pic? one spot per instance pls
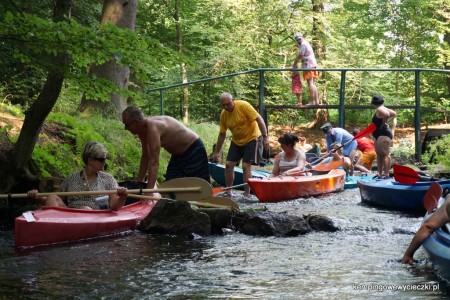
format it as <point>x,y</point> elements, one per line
<point>100,159</point>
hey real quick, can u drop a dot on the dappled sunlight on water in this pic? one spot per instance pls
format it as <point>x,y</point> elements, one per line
<point>363,254</point>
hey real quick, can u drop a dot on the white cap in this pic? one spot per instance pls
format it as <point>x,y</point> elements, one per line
<point>298,36</point>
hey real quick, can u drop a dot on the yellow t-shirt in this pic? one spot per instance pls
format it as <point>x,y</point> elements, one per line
<point>241,122</point>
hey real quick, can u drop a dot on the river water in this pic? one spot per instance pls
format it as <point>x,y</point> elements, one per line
<point>359,261</point>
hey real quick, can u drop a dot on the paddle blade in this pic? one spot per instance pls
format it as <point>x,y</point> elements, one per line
<point>327,167</point>
<point>431,198</point>
<point>404,174</point>
<point>217,201</point>
<point>366,131</point>
<point>217,190</point>
<point>204,189</point>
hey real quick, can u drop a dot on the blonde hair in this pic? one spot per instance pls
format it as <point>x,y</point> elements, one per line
<point>94,150</point>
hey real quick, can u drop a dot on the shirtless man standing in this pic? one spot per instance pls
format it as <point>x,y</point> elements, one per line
<point>189,157</point>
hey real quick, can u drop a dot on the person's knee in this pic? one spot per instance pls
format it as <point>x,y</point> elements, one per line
<point>246,166</point>
<point>229,165</point>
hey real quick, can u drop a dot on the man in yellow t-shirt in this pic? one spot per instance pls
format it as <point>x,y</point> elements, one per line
<point>246,125</point>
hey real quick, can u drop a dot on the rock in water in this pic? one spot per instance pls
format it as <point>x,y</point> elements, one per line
<point>175,217</point>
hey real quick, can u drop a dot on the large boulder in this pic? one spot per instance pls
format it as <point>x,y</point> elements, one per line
<point>270,224</point>
<point>176,217</point>
<point>320,223</point>
<point>220,218</point>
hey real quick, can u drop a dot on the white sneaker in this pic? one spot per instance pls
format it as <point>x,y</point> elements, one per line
<point>250,198</point>
<point>227,194</point>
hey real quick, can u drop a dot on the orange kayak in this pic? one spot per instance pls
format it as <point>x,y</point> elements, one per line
<point>275,189</point>
<point>54,225</point>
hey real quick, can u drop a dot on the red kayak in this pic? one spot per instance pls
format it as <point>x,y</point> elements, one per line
<point>53,225</point>
<point>275,189</point>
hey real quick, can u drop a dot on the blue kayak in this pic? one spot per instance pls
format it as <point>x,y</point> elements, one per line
<point>217,172</point>
<point>437,246</point>
<point>351,182</point>
<point>391,194</point>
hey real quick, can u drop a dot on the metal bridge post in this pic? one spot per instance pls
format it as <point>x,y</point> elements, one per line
<point>342,100</point>
<point>261,108</point>
<point>417,115</point>
<point>161,101</point>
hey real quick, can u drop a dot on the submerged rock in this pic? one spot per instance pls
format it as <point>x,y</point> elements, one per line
<point>320,223</point>
<point>175,217</point>
<point>268,224</point>
<point>178,217</point>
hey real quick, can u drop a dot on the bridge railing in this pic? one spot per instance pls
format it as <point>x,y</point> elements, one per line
<point>341,106</point>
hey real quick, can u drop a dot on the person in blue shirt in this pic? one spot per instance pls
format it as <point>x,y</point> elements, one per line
<point>343,137</point>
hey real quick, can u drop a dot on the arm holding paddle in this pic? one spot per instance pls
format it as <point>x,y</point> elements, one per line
<point>438,219</point>
<point>363,133</point>
<point>115,201</point>
<point>89,180</point>
<point>318,168</point>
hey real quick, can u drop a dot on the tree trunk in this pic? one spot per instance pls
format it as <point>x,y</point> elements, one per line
<point>121,13</point>
<point>446,55</point>
<point>318,45</point>
<point>15,169</point>
<point>185,89</point>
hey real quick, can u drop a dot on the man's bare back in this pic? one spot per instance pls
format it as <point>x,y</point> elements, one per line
<point>174,137</point>
<point>189,158</point>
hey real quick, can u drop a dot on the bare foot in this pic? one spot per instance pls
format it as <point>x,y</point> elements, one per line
<point>299,105</point>
<point>312,103</point>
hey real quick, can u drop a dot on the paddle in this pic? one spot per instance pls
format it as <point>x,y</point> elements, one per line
<point>217,202</point>
<point>220,189</point>
<point>363,133</point>
<point>431,198</point>
<point>326,167</point>
<point>407,175</point>
<point>188,188</point>
<point>319,168</point>
<point>204,186</point>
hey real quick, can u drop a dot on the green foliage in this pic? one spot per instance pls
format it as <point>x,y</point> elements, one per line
<point>60,158</point>
<point>14,110</point>
<point>51,159</point>
<point>221,37</point>
<point>404,151</point>
<point>438,152</point>
<point>32,41</point>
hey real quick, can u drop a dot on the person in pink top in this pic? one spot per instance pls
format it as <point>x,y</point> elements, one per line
<point>367,147</point>
<point>306,55</point>
<point>297,86</point>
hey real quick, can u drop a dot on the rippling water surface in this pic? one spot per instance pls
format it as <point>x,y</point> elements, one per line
<point>359,261</point>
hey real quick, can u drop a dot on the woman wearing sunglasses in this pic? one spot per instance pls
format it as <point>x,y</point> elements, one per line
<point>91,178</point>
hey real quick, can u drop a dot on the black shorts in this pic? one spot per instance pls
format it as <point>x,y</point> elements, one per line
<point>248,153</point>
<point>192,163</point>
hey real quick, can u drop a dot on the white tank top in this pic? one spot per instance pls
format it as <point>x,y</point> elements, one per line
<point>287,165</point>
